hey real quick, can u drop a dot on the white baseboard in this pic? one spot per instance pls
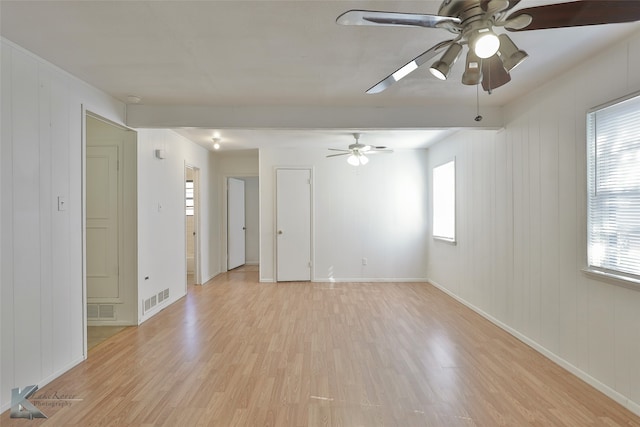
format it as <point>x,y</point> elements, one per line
<point>597,384</point>
<point>370,279</point>
<point>109,323</point>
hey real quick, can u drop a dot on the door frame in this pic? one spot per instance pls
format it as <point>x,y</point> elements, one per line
<point>223,227</point>
<point>237,182</point>
<point>312,236</point>
<point>196,225</point>
<point>83,202</point>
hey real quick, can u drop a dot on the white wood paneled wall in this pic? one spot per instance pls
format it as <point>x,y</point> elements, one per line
<point>41,156</point>
<point>522,226</point>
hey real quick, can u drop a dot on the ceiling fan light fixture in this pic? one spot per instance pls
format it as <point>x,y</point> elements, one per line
<point>353,160</point>
<point>473,70</point>
<point>509,53</point>
<point>363,159</point>
<point>485,43</point>
<point>441,68</point>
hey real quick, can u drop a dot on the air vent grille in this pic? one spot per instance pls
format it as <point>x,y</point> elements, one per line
<point>154,300</point>
<point>101,311</point>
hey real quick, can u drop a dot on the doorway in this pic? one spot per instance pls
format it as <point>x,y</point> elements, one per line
<point>110,227</point>
<point>192,225</point>
<point>236,226</point>
<point>250,214</point>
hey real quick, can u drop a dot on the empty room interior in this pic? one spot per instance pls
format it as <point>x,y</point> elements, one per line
<point>223,213</point>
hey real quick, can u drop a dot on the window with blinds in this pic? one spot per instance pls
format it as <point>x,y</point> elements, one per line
<point>613,218</point>
<point>189,197</point>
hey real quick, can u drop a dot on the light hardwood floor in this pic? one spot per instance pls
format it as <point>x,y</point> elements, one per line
<point>239,353</point>
<point>98,334</point>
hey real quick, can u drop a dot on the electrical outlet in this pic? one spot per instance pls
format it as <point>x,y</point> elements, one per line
<point>364,261</point>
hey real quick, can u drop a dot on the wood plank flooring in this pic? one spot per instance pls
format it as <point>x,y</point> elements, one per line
<point>98,334</point>
<point>239,353</point>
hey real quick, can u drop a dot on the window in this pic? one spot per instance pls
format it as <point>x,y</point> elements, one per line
<point>444,201</point>
<point>613,217</point>
<point>189,197</point>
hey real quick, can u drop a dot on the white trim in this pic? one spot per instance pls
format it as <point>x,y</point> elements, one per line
<point>83,227</point>
<point>612,278</point>
<point>614,102</point>
<point>370,280</point>
<point>445,240</point>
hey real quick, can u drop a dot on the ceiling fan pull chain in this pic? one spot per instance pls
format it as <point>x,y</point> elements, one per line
<point>489,91</point>
<point>478,116</point>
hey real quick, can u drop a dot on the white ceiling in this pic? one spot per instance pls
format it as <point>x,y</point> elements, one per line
<point>238,53</point>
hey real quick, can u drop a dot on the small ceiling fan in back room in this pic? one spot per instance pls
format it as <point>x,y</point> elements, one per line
<point>490,56</point>
<point>358,152</point>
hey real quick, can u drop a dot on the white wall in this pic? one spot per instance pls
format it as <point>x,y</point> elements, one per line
<point>377,211</point>
<point>41,156</point>
<point>161,214</point>
<point>521,218</point>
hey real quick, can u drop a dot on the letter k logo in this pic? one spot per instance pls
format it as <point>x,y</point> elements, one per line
<point>21,407</point>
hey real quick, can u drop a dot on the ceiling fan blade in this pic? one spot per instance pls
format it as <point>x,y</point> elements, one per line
<point>340,149</point>
<point>493,6</point>
<point>484,4</point>
<point>340,154</point>
<point>383,151</point>
<point>493,73</point>
<point>408,67</point>
<point>579,13</point>
<point>372,17</point>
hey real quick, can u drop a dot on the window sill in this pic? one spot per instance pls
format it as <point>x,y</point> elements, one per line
<point>615,279</point>
<point>445,240</point>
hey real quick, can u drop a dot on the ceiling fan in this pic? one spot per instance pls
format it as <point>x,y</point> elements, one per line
<point>358,152</point>
<point>490,56</point>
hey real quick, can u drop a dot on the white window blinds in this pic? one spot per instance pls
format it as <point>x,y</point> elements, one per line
<point>189,197</point>
<point>613,222</point>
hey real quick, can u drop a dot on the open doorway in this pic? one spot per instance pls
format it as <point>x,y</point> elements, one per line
<point>241,219</point>
<point>192,223</point>
<point>110,203</point>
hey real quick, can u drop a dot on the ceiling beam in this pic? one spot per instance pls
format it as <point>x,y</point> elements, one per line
<point>288,117</point>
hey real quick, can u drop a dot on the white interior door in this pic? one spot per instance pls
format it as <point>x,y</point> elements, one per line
<point>235,223</point>
<point>102,223</point>
<point>293,225</point>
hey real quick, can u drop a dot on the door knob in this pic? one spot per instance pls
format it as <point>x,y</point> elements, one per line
<point>244,228</point>
<point>279,231</point>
